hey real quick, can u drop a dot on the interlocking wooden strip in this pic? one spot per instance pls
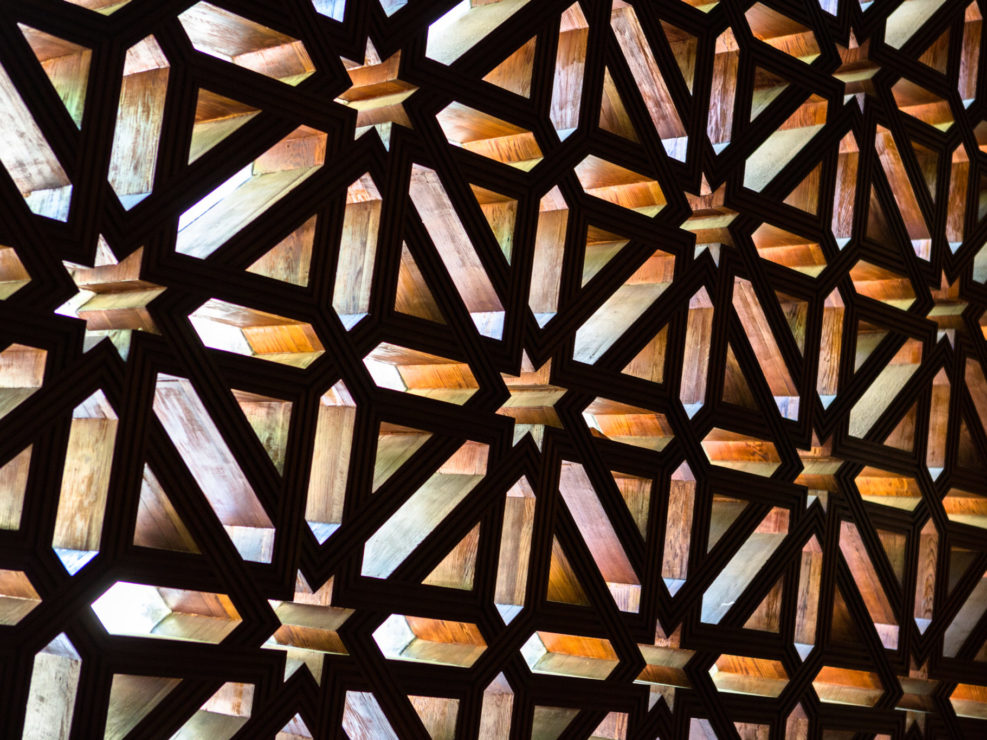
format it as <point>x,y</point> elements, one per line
<point>493,368</point>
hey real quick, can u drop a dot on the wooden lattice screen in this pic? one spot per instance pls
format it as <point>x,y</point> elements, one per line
<point>495,368</point>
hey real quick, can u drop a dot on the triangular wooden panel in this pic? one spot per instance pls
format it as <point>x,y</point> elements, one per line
<point>216,117</point>
<point>458,567</point>
<point>563,583</point>
<point>413,295</point>
<point>290,259</point>
<point>158,524</point>
<point>514,73</point>
<point>67,66</point>
<point>613,114</point>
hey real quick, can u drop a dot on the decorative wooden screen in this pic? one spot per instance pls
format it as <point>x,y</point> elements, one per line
<point>422,368</point>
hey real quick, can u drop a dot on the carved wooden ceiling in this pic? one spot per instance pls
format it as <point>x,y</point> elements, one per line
<point>414,369</point>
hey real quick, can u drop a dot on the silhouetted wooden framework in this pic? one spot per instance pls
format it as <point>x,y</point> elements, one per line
<point>495,368</point>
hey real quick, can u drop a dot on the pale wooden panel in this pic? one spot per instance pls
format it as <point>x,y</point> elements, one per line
<point>411,523</point>
<point>331,456</point>
<point>594,525</point>
<point>739,571</point>
<point>25,152</point>
<point>452,241</point>
<point>206,454</point>
<point>53,687</point>
<point>86,476</point>
<point>464,26</point>
<point>648,77</point>
<point>496,709</point>
<point>140,115</point>
<point>131,699</point>
<point>13,485</point>
<point>363,717</point>
<point>515,550</point>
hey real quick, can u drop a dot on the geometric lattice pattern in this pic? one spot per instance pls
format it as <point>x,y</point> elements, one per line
<point>495,368</point>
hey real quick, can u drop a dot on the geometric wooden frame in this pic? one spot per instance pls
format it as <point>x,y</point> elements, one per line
<point>496,368</point>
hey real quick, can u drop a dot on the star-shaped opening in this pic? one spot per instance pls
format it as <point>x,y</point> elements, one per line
<point>112,298</point>
<point>377,94</point>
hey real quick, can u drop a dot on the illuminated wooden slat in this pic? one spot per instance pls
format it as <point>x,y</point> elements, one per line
<point>570,61</point>
<point>546,269</point>
<point>222,715</point>
<point>966,618</point>
<point>719,121</point>
<point>782,32</point>
<point>618,185</point>
<point>21,374</point>
<point>395,446</point>
<point>430,640</point>
<point>132,697</point>
<point>28,158</point>
<point>85,482</point>
<point>665,664</point>
<point>18,598</point>
<point>969,700</point>
<point>879,395</point>
<point>52,693</point>
<point>784,144</point>
<point>742,675</point>
<point>765,346</point>
<point>514,73</point>
<point>741,452</point>
<point>847,686</point>
<point>458,568</point>
<point>807,611</point>
<point>438,714</point>
<point>233,38</point>
<point>175,614</point>
<point>699,326</point>
<point>489,136</point>
<point>628,424</point>
<point>13,275</point>
<point>466,25</point>
<point>376,93</point>
<point>678,527</point>
<point>140,115</point>
<point>500,211</point>
<point>648,76</point>
<point>569,655</point>
<point>390,545</point>
<point>420,373</point>
<point>496,709</point>
<point>363,717</point>
<point>455,248</point>
<point>733,580</point>
<point>887,488</point>
<point>158,523</point>
<point>67,66</point>
<point>357,251</point>
<point>966,507</point>
<point>591,519</point>
<point>515,549</point>
<point>623,307</point>
<point>247,331</point>
<point>213,466</point>
<point>551,722</point>
<point>786,248</point>
<point>243,197</point>
<point>871,590</point>
<point>216,117</point>
<point>330,461</point>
